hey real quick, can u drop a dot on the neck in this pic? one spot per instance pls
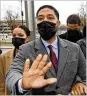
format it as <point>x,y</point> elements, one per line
<point>51,40</point>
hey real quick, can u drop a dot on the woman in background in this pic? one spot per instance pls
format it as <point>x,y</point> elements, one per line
<point>21,35</point>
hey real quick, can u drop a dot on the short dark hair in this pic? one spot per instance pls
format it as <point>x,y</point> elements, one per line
<point>50,7</point>
<point>26,30</point>
<point>73,19</point>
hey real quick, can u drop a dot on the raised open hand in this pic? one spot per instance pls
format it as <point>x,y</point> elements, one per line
<point>34,77</point>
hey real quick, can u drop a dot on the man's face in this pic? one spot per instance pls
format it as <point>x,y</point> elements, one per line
<point>73,26</point>
<point>47,14</point>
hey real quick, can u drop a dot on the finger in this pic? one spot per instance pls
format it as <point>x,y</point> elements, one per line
<point>42,62</point>
<point>51,81</point>
<point>75,93</point>
<point>36,62</point>
<point>78,90</point>
<point>85,90</point>
<point>26,65</point>
<point>47,67</point>
<point>72,92</point>
<point>81,90</point>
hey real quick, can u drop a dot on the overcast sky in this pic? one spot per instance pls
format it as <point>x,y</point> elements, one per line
<point>65,8</point>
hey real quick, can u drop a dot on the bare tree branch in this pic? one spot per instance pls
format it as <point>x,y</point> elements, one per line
<point>11,18</point>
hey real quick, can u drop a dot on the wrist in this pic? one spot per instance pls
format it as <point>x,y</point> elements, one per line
<point>25,87</point>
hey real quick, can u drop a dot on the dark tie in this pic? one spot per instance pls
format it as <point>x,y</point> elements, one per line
<point>53,56</point>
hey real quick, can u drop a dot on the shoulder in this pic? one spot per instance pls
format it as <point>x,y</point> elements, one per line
<point>8,53</point>
<point>68,43</point>
<point>63,35</point>
<point>71,46</point>
<point>81,41</point>
<point>29,44</point>
<point>29,47</point>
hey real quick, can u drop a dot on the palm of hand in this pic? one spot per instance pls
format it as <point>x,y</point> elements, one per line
<point>34,77</point>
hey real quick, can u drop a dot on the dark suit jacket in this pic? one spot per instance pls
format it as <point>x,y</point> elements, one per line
<point>71,67</point>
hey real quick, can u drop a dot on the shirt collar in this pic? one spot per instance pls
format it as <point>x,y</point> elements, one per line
<point>54,44</point>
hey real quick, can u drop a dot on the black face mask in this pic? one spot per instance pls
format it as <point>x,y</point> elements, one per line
<point>18,42</point>
<point>46,29</point>
<point>73,35</point>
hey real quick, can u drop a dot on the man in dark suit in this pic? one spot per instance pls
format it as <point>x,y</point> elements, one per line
<point>73,33</point>
<point>38,76</point>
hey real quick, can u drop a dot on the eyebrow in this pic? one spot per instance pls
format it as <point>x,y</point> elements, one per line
<point>40,15</point>
<point>51,15</point>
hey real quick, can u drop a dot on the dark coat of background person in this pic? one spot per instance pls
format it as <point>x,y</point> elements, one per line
<point>82,42</point>
<point>75,39</point>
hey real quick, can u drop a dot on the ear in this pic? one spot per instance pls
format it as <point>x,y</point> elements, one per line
<point>58,24</point>
<point>27,39</point>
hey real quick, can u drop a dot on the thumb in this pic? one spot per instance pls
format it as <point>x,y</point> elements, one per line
<point>51,80</point>
<point>72,92</point>
<point>27,65</point>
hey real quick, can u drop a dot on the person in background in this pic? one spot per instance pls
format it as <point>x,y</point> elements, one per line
<point>82,42</point>
<point>48,65</point>
<point>21,35</point>
<point>73,33</point>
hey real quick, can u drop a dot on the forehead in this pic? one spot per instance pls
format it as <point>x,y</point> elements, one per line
<point>45,11</point>
<point>18,30</point>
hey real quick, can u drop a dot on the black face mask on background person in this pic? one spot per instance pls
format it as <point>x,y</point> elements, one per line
<point>16,41</point>
<point>47,29</point>
<point>73,35</point>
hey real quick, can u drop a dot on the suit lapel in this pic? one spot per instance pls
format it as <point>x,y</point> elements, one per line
<point>63,54</point>
<point>40,49</point>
